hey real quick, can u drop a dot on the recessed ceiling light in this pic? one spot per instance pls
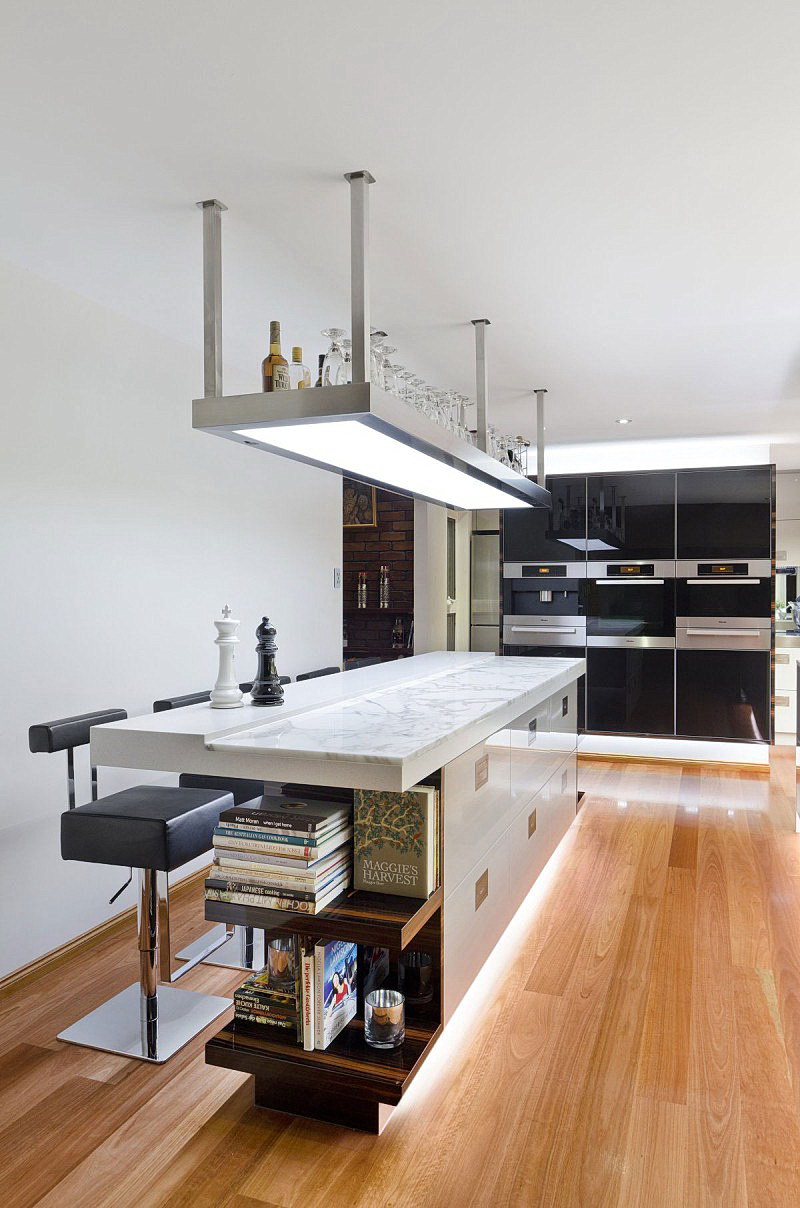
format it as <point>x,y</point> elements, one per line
<point>623,420</point>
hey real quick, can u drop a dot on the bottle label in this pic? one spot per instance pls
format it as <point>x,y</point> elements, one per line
<point>280,377</point>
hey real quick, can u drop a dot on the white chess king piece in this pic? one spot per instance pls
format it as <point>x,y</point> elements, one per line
<point>225,693</point>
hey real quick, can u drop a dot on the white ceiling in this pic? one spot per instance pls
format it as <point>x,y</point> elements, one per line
<point>615,186</point>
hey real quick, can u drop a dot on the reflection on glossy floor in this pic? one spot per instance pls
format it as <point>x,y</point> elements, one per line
<point>638,1045</point>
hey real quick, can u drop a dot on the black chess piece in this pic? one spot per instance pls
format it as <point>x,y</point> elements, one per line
<point>267,688</point>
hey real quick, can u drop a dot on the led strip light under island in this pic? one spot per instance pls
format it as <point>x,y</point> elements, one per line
<point>496,736</point>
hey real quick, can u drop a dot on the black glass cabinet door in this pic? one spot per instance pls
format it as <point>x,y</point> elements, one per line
<point>542,535</point>
<point>631,516</point>
<point>723,694</point>
<point>630,691</point>
<point>725,513</point>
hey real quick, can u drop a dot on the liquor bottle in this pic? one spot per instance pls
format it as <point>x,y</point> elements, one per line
<point>299,374</point>
<point>321,363</point>
<point>397,634</point>
<point>275,368</point>
<point>362,589</point>
<point>383,592</point>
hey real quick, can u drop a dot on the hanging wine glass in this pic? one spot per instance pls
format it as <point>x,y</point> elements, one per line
<point>347,368</point>
<point>333,365</point>
<point>376,338</point>
<point>387,370</point>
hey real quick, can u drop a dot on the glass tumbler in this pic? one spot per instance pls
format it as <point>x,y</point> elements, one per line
<point>280,964</point>
<point>385,1019</point>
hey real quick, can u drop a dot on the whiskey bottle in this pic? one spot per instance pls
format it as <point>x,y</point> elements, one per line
<point>275,368</point>
<point>397,634</point>
<point>299,374</point>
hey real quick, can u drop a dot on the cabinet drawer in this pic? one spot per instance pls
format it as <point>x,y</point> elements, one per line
<point>538,829</point>
<point>564,719</point>
<point>475,915</point>
<point>477,805</point>
<point>534,753</point>
<point>785,711</point>
<point>786,668</point>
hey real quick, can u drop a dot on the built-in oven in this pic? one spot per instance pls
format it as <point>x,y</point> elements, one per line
<point>544,613</point>
<point>724,643</point>
<point>630,637</point>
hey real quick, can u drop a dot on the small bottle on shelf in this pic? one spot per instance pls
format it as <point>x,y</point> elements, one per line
<point>275,368</point>
<point>321,363</point>
<point>383,590</point>
<point>299,374</point>
<point>362,589</point>
<point>397,634</point>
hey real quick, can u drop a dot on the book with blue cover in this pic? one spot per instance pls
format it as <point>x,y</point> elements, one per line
<point>335,994</point>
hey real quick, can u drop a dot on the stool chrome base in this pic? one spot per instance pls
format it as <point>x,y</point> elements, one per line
<point>245,951</point>
<point>116,1026</point>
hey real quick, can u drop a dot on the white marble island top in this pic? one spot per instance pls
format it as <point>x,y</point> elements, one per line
<point>384,726</point>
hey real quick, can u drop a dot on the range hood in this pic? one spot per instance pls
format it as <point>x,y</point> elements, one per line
<point>357,430</point>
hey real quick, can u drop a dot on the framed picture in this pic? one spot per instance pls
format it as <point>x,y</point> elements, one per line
<point>359,505</point>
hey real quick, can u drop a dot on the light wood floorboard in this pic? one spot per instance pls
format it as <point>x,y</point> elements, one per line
<point>641,1050</point>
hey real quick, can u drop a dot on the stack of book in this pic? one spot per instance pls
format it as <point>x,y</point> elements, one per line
<point>260,1003</point>
<point>282,854</point>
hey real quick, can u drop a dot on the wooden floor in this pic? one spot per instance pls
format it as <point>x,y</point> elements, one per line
<point>642,1046</point>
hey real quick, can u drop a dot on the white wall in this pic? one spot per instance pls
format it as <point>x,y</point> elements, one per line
<point>430,577</point>
<point>122,534</point>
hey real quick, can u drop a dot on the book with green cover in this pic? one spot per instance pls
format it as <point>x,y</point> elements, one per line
<point>395,840</point>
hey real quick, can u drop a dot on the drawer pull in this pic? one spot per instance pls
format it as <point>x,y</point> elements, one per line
<point>565,706</point>
<point>783,659</point>
<point>481,771</point>
<point>481,889</point>
<point>531,824</point>
<point>782,702</point>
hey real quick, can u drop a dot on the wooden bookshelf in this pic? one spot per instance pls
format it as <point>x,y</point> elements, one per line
<point>384,920</point>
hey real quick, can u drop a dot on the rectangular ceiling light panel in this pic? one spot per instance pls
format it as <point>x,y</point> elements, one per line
<point>363,452</point>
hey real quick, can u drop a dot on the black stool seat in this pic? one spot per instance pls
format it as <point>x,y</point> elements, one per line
<point>148,826</point>
<point>242,791</point>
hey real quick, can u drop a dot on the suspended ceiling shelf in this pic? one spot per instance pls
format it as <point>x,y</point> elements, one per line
<point>367,434</point>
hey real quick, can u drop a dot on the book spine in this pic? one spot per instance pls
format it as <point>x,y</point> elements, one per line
<point>270,820</point>
<point>319,996</point>
<point>267,903</point>
<point>282,833</point>
<point>253,1017</point>
<point>308,975</point>
<point>247,1002</point>
<point>264,875</point>
<point>222,842</point>
<point>277,843</point>
<point>257,888</point>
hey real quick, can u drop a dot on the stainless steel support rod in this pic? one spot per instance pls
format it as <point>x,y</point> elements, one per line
<point>212,296</point>
<point>540,392</point>
<point>147,911</point>
<point>482,383</point>
<point>359,272</point>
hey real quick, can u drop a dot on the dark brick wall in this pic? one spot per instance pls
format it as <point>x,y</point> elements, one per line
<point>392,544</point>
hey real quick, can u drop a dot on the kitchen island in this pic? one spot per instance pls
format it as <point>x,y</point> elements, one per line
<point>496,735</point>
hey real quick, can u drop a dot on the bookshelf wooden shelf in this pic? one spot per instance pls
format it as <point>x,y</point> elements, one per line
<point>347,1082</point>
<point>354,611</point>
<point>385,920</point>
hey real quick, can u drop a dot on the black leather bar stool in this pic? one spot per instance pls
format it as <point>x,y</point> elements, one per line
<point>242,948</point>
<point>370,661</point>
<point>315,674</point>
<point>154,829</point>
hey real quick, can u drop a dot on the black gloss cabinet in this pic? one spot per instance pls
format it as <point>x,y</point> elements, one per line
<point>630,691</point>
<point>545,535</point>
<point>631,516</point>
<point>725,513</point>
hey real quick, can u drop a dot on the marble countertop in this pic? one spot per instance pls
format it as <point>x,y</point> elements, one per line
<point>376,727</point>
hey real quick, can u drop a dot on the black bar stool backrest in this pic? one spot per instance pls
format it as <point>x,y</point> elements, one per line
<point>314,674</point>
<point>371,661</point>
<point>69,732</point>
<point>65,735</point>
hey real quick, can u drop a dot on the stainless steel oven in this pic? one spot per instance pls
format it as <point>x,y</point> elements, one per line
<point>630,635</point>
<point>724,643</point>
<point>544,614</point>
